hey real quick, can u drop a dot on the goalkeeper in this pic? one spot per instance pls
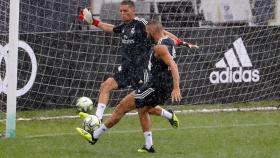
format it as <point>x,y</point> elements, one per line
<point>135,49</point>
<point>164,82</point>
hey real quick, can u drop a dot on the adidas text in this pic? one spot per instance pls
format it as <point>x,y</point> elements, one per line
<point>236,66</point>
<point>236,76</point>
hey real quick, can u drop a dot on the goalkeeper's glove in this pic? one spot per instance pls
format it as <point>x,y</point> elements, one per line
<point>180,42</point>
<point>86,15</point>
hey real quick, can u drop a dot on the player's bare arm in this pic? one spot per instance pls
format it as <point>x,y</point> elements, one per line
<point>171,35</point>
<point>105,27</point>
<point>178,41</point>
<point>162,52</point>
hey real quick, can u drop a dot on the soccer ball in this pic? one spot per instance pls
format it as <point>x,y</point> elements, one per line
<point>84,104</point>
<point>91,123</point>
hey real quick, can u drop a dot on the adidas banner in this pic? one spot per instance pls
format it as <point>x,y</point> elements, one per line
<point>232,65</point>
<point>233,72</point>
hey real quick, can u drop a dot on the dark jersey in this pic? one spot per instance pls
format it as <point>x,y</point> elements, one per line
<point>160,85</point>
<point>135,47</point>
<point>159,70</point>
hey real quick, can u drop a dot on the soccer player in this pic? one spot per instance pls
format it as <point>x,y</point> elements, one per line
<point>135,49</point>
<point>163,83</point>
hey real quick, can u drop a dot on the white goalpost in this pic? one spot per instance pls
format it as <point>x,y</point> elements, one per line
<point>12,69</point>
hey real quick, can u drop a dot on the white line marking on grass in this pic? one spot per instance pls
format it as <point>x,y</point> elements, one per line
<point>245,109</point>
<point>167,129</point>
<point>231,110</point>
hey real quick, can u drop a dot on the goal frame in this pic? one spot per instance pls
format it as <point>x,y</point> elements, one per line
<point>12,65</point>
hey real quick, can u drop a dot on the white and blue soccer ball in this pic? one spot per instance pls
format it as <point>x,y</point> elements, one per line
<point>84,104</point>
<point>91,123</point>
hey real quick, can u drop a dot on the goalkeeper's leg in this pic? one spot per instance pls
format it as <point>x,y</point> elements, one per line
<point>105,89</point>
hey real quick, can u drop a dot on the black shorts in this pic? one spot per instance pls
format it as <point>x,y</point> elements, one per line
<point>129,78</point>
<point>151,94</point>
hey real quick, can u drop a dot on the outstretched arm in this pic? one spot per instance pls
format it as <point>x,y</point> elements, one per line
<point>105,26</point>
<point>178,41</point>
<point>86,15</point>
<point>162,52</point>
<point>171,35</point>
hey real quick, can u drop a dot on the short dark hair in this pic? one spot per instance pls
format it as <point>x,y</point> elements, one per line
<point>156,24</point>
<point>130,3</point>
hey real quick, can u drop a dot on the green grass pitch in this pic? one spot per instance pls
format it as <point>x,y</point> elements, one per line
<point>201,135</point>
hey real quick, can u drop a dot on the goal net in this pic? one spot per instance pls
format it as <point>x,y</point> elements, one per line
<point>238,59</point>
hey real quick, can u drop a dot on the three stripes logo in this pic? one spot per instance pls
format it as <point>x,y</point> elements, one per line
<point>237,66</point>
<point>141,95</point>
